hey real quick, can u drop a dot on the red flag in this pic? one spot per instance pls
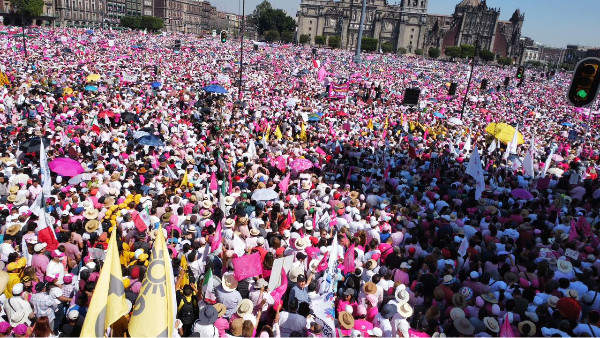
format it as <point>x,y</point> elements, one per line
<point>139,222</point>
<point>279,291</point>
<point>217,238</point>
<point>46,235</point>
<point>506,330</point>
<point>386,173</point>
<point>584,227</point>
<point>213,182</point>
<point>284,184</point>
<point>349,264</point>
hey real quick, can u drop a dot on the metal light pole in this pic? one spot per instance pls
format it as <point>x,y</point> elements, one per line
<point>462,111</point>
<point>360,32</point>
<point>23,26</point>
<point>242,48</point>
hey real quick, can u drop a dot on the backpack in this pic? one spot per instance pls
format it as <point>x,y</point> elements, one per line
<point>186,311</point>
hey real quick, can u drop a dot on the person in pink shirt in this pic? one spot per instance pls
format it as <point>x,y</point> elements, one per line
<point>360,323</point>
<point>347,300</point>
<point>221,323</point>
<point>39,261</point>
<point>372,309</point>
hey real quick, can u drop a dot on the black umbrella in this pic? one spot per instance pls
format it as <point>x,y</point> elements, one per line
<point>129,117</point>
<point>148,130</point>
<point>32,145</point>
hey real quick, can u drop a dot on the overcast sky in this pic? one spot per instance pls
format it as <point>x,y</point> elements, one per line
<point>551,22</point>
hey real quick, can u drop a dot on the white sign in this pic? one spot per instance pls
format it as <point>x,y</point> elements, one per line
<point>285,263</point>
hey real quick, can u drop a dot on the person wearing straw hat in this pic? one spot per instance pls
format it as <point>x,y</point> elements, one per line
<point>228,295</point>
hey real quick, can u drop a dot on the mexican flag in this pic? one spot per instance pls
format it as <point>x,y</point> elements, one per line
<point>94,125</point>
<point>208,288</point>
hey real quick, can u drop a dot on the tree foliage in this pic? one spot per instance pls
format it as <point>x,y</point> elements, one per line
<point>434,53</point>
<point>320,40</point>
<point>368,44</point>
<point>304,38</point>
<point>453,51</point>
<point>287,36</point>
<point>265,18</point>
<point>505,61</point>
<point>387,47</point>
<point>467,51</point>
<point>486,55</point>
<point>334,41</point>
<point>418,51</point>
<point>272,35</point>
<point>31,8</point>
<point>402,50</point>
<point>150,23</point>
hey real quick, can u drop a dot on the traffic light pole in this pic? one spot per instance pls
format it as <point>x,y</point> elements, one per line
<point>242,49</point>
<point>360,32</point>
<point>462,110</point>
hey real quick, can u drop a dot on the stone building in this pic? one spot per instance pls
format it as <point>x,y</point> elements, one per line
<point>474,20</point>
<point>401,25</point>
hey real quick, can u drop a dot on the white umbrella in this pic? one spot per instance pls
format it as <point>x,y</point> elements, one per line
<point>455,121</point>
<point>139,134</point>
<point>265,195</point>
<point>83,177</point>
<point>555,171</point>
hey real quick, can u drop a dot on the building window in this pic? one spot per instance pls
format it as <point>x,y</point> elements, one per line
<point>309,29</point>
<point>412,30</point>
<point>310,22</point>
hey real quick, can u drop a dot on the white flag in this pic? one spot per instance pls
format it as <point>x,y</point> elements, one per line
<point>547,163</point>
<point>475,170</point>
<point>251,150</point>
<point>528,163</point>
<point>45,171</point>
<point>492,147</point>
<point>513,143</point>
<point>467,147</point>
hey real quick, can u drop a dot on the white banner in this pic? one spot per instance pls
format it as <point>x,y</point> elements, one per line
<point>285,263</point>
<point>324,312</point>
<point>45,171</point>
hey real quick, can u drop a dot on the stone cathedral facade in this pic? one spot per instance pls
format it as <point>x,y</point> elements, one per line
<point>402,24</point>
<point>407,24</point>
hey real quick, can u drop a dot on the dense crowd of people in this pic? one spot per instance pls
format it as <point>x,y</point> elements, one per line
<point>360,197</point>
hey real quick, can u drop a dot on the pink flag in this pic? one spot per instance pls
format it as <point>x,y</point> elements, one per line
<point>213,182</point>
<point>333,221</point>
<point>154,161</point>
<point>277,294</point>
<point>349,264</point>
<point>284,184</point>
<point>314,223</point>
<point>230,189</point>
<point>281,163</point>
<point>323,263</point>
<point>216,238</point>
<point>322,74</point>
<point>572,232</point>
<point>506,330</point>
<point>425,135</point>
<point>51,125</point>
<point>289,220</point>
<point>247,266</point>
<point>320,151</point>
<point>584,227</point>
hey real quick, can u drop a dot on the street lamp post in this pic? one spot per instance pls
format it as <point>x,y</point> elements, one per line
<point>360,32</point>
<point>23,26</point>
<point>242,48</point>
<point>462,111</point>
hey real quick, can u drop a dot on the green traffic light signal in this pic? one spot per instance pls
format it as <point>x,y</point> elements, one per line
<point>582,94</point>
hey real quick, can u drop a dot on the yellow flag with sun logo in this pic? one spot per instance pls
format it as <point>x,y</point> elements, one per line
<point>155,310</point>
<point>108,301</point>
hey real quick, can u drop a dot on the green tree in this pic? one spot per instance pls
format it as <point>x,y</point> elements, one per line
<point>467,51</point>
<point>452,51</point>
<point>320,40</point>
<point>418,51</point>
<point>272,35</point>
<point>259,11</point>
<point>265,18</point>
<point>152,23</point>
<point>287,36</point>
<point>486,55</point>
<point>304,38</point>
<point>505,61</point>
<point>133,22</point>
<point>434,53</point>
<point>387,47</point>
<point>334,41</point>
<point>368,44</point>
<point>402,50</point>
<point>31,8</point>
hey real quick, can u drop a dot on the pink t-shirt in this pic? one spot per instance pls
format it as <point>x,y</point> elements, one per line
<point>222,325</point>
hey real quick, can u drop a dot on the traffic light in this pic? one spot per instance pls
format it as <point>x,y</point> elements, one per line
<point>520,72</point>
<point>223,36</point>
<point>584,86</point>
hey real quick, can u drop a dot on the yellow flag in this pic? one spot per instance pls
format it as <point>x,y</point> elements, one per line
<point>267,134</point>
<point>278,134</point>
<point>184,181</point>
<point>303,133</point>
<point>184,270</point>
<point>370,124</point>
<point>386,123</point>
<point>155,310</point>
<point>108,301</point>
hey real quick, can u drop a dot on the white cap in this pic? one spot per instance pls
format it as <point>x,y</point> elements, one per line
<point>73,314</point>
<point>39,247</point>
<point>17,289</point>
<point>375,332</point>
